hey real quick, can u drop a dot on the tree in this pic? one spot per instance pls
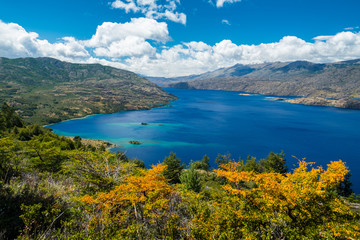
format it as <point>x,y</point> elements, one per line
<point>283,206</point>
<point>223,159</point>
<point>275,162</point>
<point>97,171</point>
<point>344,187</point>
<point>45,153</point>
<point>77,142</point>
<point>173,168</point>
<point>203,164</point>
<point>9,118</point>
<point>9,159</point>
<point>251,165</point>
<point>136,209</point>
<point>191,178</point>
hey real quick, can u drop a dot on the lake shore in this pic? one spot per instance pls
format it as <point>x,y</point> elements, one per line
<point>97,143</point>
<point>347,103</point>
<point>223,122</point>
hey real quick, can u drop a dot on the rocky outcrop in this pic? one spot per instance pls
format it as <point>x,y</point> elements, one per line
<point>318,101</point>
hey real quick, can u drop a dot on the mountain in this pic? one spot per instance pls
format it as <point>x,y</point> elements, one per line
<point>46,90</point>
<point>340,80</point>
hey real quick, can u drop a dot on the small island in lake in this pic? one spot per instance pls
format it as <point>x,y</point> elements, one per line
<point>135,142</point>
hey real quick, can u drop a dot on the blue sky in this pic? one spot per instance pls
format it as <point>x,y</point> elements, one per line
<point>180,37</point>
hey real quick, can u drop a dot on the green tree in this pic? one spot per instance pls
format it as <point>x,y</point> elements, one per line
<point>223,159</point>
<point>9,159</point>
<point>77,142</point>
<point>173,169</point>
<point>203,164</point>
<point>36,130</point>
<point>191,178</point>
<point>45,153</point>
<point>251,165</point>
<point>275,162</point>
<point>344,188</point>
<point>24,134</point>
<point>9,118</point>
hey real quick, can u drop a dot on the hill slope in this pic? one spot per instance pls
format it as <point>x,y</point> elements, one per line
<point>339,80</point>
<point>46,90</point>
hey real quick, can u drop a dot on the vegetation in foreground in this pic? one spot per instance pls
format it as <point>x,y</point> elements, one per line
<point>52,187</point>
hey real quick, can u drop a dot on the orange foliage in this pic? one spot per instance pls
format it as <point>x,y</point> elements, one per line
<point>301,200</point>
<point>140,198</point>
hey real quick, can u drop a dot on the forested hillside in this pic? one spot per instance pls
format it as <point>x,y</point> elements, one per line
<point>46,90</point>
<point>52,187</point>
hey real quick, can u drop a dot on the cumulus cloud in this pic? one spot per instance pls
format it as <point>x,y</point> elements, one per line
<point>199,57</point>
<point>109,32</point>
<point>15,41</point>
<point>151,9</point>
<point>130,46</point>
<point>127,39</point>
<point>220,3</point>
<point>140,46</point>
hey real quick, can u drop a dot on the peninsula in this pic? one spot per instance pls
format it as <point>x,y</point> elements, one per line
<point>46,90</point>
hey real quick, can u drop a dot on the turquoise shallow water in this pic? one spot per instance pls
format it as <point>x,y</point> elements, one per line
<point>211,122</point>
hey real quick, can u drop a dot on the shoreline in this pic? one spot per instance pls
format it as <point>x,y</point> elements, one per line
<point>97,143</point>
<point>48,125</point>
<point>344,103</point>
<point>152,105</point>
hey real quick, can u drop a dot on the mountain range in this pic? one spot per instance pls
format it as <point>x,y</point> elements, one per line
<point>330,84</point>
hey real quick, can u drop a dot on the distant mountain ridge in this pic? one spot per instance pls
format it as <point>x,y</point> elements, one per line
<point>46,90</point>
<point>339,80</point>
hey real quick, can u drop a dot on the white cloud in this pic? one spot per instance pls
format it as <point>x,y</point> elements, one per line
<point>127,6</point>
<point>145,28</point>
<point>322,38</point>
<point>224,21</point>
<point>199,57</point>
<point>151,9</point>
<point>351,28</point>
<point>127,39</point>
<point>15,41</point>
<point>130,46</point>
<point>140,46</point>
<point>220,3</point>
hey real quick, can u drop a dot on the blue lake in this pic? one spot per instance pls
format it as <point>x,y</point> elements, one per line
<point>211,122</point>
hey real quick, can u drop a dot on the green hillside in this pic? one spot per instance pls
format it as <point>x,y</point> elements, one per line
<point>46,90</point>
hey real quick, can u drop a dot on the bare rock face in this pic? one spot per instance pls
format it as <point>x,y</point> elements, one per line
<point>348,103</point>
<point>319,101</point>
